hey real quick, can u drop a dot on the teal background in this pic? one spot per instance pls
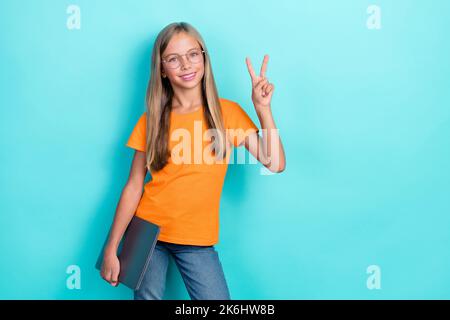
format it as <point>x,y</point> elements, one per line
<point>363,115</point>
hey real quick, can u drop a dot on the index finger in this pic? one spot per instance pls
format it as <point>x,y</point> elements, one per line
<point>250,68</point>
<point>264,66</point>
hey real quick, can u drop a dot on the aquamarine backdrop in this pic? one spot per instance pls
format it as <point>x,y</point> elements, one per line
<point>363,114</point>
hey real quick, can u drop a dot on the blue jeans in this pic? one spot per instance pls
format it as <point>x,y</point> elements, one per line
<point>199,266</point>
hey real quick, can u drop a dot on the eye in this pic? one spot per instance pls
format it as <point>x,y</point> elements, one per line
<point>172,59</point>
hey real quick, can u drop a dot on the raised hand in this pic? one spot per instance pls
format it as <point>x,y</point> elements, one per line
<point>262,89</point>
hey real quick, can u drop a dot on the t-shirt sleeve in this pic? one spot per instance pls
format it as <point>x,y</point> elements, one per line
<point>137,139</point>
<point>238,123</point>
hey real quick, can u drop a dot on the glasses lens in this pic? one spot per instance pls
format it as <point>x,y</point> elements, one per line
<point>195,56</point>
<point>172,61</point>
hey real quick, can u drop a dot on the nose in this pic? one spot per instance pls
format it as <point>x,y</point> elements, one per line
<point>184,61</point>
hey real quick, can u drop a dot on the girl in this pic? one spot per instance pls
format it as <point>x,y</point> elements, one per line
<point>183,195</point>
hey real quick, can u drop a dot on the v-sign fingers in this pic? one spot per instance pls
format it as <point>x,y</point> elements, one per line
<point>260,84</point>
<point>250,68</point>
<point>264,66</point>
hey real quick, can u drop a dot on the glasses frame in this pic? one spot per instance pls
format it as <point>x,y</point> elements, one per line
<point>180,59</point>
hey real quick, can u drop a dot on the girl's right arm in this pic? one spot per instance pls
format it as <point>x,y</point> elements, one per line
<point>129,200</point>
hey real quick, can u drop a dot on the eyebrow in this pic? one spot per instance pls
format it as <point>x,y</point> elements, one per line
<point>179,54</point>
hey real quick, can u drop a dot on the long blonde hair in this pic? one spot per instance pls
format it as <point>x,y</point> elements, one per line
<point>159,101</point>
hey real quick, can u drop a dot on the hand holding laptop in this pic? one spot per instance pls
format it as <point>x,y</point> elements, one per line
<point>110,268</point>
<point>129,264</point>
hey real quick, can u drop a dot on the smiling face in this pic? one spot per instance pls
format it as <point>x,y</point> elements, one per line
<point>187,75</point>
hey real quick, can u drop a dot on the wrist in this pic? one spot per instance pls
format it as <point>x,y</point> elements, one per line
<point>110,250</point>
<point>263,110</point>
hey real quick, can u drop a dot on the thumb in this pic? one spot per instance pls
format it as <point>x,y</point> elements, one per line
<point>114,278</point>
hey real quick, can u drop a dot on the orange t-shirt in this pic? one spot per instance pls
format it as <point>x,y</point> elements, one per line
<point>183,198</point>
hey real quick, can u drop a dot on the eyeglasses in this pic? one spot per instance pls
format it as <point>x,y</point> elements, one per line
<point>193,56</point>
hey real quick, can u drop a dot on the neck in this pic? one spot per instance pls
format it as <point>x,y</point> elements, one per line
<point>185,99</point>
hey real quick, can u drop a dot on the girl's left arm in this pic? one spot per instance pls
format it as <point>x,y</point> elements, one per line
<point>267,149</point>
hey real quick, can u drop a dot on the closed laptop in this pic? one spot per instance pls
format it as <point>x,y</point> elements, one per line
<point>134,252</point>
